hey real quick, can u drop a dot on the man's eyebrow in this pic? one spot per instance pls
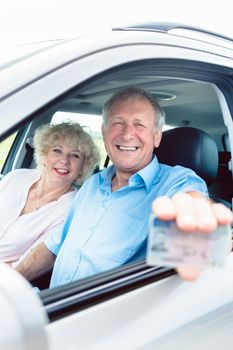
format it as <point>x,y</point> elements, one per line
<point>141,120</point>
<point>116,117</point>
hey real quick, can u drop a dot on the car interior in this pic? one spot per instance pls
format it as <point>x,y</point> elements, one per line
<point>196,130</point>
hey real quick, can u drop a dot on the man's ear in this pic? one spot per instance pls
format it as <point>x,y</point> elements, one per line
<point>103,130</point>
<point>157,138</point>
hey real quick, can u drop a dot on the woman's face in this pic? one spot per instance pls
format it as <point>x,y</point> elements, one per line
<point>63,163</point>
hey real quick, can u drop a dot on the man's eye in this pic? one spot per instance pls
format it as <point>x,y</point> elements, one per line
<point>140,125</point>
<point>117,124</point>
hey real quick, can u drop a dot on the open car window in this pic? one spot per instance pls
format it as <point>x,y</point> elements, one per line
<point>5,147</point>
<point>187,103</point>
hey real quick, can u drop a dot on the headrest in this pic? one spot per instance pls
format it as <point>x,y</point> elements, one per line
<point>191,148</point>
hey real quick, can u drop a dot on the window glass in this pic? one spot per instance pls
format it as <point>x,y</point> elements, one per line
<point>5,148</point>
<point>168,127</point>
<point>91,123</point>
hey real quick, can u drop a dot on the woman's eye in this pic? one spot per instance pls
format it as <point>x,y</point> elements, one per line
<point>75,155</point>
<point>56,150</point>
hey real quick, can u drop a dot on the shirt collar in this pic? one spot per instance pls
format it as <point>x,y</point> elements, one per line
<point>148,175</point>
<point>105,177</point>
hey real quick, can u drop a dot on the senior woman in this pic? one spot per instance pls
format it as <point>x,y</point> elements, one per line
<point>34,202</point>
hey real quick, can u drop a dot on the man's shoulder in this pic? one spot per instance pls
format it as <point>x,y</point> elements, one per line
<point>93,180</point>
<point>177,178</point>
<point>172,175</point>
<point>99,176</point>
<point>175,170</point>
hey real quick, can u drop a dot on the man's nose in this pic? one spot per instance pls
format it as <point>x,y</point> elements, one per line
<point>128,131</point>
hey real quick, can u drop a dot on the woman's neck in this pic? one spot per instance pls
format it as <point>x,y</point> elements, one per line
<point>44,187</point>
<point>43,192</point>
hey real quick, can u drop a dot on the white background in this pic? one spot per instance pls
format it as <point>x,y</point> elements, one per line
<point>24,21</point>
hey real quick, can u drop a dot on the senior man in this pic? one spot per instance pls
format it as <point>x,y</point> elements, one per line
<point>107,225</point>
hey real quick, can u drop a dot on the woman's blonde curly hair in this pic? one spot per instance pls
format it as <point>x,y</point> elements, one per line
<point>72,134</point>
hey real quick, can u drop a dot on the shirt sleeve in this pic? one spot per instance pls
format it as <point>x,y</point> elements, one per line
<point>187,181</point>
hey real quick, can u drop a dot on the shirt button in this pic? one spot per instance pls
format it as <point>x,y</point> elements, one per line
<point>68,276</point>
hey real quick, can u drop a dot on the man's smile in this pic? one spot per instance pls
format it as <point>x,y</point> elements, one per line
<point>127,148</point>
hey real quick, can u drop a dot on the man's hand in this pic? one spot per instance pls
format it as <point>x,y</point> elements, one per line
<point>192,212</point>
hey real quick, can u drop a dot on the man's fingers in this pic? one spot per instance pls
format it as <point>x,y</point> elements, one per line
<point>223,215</point>
<point>164,208</point>
<point>180,207</point>
<point>188,273</point>
<point>185,209</point>
<point>205,216</point>
<point>192,213</point>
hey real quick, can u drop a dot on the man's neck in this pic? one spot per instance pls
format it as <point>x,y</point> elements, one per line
<point>120,180</point>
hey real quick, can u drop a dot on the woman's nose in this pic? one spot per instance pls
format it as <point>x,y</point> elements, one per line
<point>64,159</point>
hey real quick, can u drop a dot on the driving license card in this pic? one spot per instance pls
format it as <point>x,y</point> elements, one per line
<point>169,246</point>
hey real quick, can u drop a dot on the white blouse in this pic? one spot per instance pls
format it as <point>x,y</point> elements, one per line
<point>20,233</point>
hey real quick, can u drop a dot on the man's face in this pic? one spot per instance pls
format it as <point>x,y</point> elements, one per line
<point>131,135</point>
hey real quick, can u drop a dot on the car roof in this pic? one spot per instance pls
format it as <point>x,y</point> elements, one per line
<point>35,60</point>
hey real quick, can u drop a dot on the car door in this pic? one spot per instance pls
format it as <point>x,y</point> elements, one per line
<point>135,306</point>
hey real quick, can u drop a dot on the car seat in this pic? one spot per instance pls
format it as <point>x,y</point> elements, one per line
<point>192,148</point>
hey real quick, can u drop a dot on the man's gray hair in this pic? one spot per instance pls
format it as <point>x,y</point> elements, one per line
<point>134,92</point>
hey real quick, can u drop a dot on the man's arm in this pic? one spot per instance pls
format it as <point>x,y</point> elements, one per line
<point>40,261</point>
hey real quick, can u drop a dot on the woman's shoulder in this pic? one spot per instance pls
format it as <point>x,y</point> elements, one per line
<point>21,174</point>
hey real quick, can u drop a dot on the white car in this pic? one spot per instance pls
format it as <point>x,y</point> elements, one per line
<point>136,306</point>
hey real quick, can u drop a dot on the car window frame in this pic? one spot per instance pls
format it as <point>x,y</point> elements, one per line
<point>62,301</point>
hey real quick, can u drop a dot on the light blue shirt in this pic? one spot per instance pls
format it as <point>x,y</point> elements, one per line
<point>106,229</point>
